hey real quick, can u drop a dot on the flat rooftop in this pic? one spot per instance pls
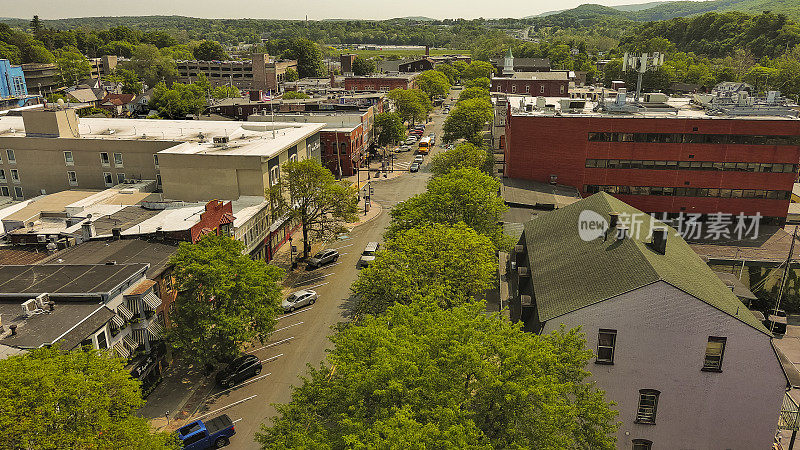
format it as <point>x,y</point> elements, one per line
<point>543,76</point>
<point>68,324</point>
<point>171,219</point>
<point>56,202</point>
<point>196,135</point>
<point>78,280</point>
<point>536,195</point>
<point>123,251</point>
<point>675,108</point>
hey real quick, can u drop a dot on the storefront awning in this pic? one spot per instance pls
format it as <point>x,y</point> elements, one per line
<point>123,352</point>
<point>118,321</point>
<point>140,336</point>
<point>123,311</point>
<point>155,329</point>
<point>130,343</point>
<point>151,301</point>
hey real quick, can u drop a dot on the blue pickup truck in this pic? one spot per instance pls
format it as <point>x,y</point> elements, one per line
<point>199,435</point>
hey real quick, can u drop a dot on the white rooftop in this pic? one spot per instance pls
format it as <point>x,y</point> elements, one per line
<point>177,219</point>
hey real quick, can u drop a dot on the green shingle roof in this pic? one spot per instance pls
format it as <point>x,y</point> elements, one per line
<point>569,273</point>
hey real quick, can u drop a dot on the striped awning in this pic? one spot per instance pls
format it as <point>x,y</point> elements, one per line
<point>123,311</point>
<point>121,350</point>
<point>141,336</point>
<point>133,304</point>
<point>130,343</point>
<point>151,301</point>
<point>118,321</point>
<point>155,329</point>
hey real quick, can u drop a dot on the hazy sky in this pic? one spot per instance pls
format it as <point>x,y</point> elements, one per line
<point>296,9</point>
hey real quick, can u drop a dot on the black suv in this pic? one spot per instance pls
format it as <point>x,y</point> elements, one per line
<point>239,370</point>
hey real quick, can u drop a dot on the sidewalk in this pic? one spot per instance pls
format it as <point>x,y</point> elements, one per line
<point>182,390</point>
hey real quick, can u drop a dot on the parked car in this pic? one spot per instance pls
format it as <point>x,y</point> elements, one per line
<point>299,299</point>
<point>322,258</point>
<point>240,369</point>
<point>368,255</point>
<point>419,159</point>
<point>414,167</point>
<point>404,148</point>
<point>199,435</point>
<point>776,321</point>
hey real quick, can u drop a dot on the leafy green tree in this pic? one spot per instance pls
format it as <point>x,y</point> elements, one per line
<point>291,95</point>
<point>308,56</point>
<point>220,92</point>
<point>467,120</point>
<point>130,81</point>
<point>477,69</point>
<point>210,51</point>
<point>118,48</point>
<point>450,72</point>
<point>433,83</point>
<point>460,156</point>
<point>411,104</point>
<point>72,66</point>
<point>177,52</point>
<point>474,92</point>
<point>321,204</point>
<point>291,75</point>
<point>363,66</point>
<point>463,195</point>
<point>480,83</point>
<point>151,65</point>
<point>225,299</point>
<point>443,264</point>
<point>424,377</point>
<point>178,100</point>
<point>11,53</point>
<point>51,399</point>
<point>389,128</point>
<point>36,25</point>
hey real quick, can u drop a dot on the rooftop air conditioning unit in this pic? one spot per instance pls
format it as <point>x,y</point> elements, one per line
<point>42,239</point>
<point>523,271</point>
<point>42,300</point>
<point>29,308</point>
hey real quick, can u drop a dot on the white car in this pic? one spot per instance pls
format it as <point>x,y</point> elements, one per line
<point>299,299</point>
<point>419,159</point>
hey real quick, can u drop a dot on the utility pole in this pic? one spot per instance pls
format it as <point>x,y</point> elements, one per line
<point>783,279</point>
<point>338,155</point>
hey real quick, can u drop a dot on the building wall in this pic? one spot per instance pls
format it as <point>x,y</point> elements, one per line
<point>661,339</point>
<point>420,65</point>
<point>257,74</point>
<point>41,164</point>
<point>350,150</point>
<point>12,80</point>
<point>377,83</point>
<point>546,88</point>
<point>538,147</point>
<point>41,77</point>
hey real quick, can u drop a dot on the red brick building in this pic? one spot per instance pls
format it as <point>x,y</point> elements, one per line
<point>350,151</point>
<point>380,83</point>
<point>670,163</point>
<point>546,84</point>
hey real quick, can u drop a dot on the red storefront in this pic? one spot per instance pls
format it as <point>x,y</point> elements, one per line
<point>667,164</point>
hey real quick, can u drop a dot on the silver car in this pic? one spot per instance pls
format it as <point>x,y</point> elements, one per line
<point>368,255</point>
<point>299,299</point>
<point>322,258</point>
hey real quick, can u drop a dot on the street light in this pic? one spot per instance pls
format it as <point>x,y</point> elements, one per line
<point>291,253</point>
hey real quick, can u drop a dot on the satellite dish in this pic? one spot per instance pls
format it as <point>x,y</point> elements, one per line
<point>60,102</point>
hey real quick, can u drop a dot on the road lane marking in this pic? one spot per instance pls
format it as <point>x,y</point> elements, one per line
<point>227,406</point>
<point>239,385</point>
<point>290,326</point>
<point>312,280</point>
<point>237,420</point>
<point>272,357</point>
<point>296,312</point>
<point>271,345</point>
<point>344,246</point>
<point>318,285</point>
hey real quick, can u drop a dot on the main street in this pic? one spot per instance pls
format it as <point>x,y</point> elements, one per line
<point>302,337</point>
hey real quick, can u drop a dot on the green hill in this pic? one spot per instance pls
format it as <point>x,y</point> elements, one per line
<point>646,12</point>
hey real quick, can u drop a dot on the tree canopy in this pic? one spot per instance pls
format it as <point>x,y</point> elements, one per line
<point>413,105</point>
<point>467,120</point>
<point>462,155</point>
<point>72,66</point>
<point>463,195</point>
<point>291,75</point>
<point>225,299</point>
<point>473,92</point>
<point>308,56</point>
<point>321,204</point>
<point>389,128</point>
<point>437,263</point>
<point>51,399</point>
<point>433,83</point>
<point>291,95</point>
<point>179,100</point>
<point>477,69</point>
<point>151,65</point>
<point>363,66</point>
<point>424,377</point>
<point>209,51</point>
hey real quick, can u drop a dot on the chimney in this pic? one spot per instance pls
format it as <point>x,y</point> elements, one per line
<point>660,240</point>
<point>87,230</point>
<point>622,233</point>
<point>116,233</point>
<point>13,328</point>
<point>613,219</point>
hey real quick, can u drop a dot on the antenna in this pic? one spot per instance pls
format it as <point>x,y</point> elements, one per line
<point>641,64</point>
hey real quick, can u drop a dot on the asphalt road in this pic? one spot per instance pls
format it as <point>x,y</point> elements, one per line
<point>301,337</point>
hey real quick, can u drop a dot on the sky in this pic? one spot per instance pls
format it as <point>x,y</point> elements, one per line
<point>296,9</point>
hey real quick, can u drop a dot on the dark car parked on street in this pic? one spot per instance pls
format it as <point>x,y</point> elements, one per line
<point>322,258</point>
<point>240,369</point>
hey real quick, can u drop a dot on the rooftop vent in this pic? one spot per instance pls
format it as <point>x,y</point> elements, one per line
<point>660,240</point>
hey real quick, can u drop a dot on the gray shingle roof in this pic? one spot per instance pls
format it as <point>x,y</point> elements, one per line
<point>569,273</point>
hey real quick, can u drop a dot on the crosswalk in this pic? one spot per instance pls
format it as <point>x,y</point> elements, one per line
<point>402,165</point>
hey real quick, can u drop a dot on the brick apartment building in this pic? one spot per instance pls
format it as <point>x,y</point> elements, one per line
<point>682,161</point>
<point>547,84</point>
<point>380,83</point>
<point>260,73</point>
